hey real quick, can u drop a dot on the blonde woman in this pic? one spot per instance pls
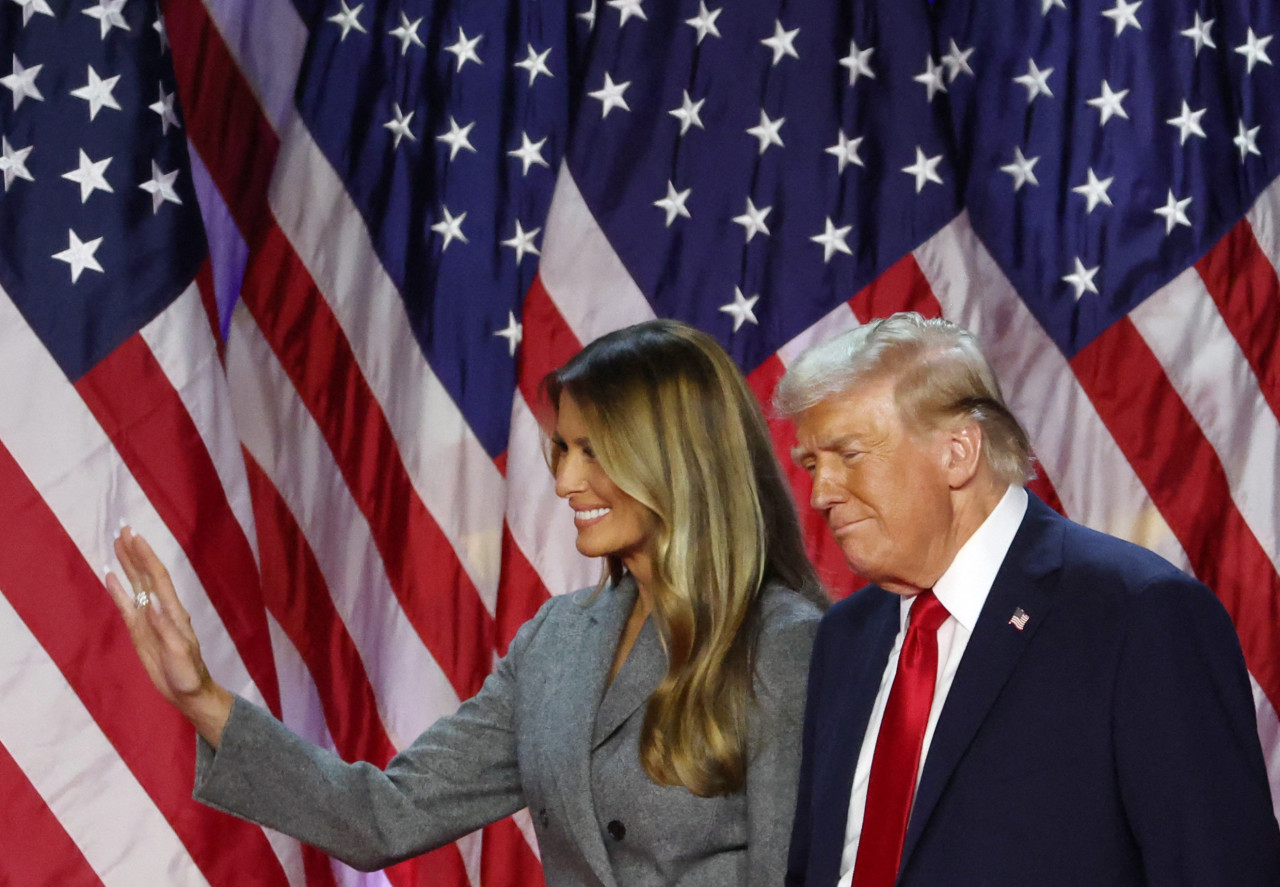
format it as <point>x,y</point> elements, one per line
<point>651,725</point>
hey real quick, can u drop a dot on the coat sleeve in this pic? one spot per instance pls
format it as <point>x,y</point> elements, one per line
<point>461,774</point>
<point>1190,767</point>
<point>773,769</point>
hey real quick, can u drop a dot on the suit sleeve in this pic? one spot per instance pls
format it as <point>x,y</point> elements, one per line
<point>798,855</point>
<point>462,773</point>
<point>1189,763</point>
<point>774,762</point>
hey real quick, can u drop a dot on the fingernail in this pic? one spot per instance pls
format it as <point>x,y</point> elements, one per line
<point>124,524</point>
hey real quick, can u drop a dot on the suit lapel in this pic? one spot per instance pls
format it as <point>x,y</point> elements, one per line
<point>850,681</point>
<point>634,684</point>
<point>589,648</point>
<point>1025,581</point>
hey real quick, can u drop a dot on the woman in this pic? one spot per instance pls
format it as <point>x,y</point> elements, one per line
<point>651,725</point>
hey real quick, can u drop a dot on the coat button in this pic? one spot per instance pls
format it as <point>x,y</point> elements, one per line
<point>617,830</point>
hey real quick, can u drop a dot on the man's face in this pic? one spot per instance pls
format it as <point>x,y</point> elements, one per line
<point>882,486</point>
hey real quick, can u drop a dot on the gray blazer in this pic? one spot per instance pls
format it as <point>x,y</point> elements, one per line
<point>545,732</point>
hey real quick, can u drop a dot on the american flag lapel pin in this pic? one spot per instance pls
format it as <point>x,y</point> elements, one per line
<point>1019,619</point>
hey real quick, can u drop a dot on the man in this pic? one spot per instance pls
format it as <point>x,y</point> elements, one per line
<point>1062,708</point>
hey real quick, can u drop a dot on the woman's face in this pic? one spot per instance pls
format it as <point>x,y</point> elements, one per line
<point>609,521</point>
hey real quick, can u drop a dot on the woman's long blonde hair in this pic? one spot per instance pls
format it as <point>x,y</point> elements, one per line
<point>674,425</point>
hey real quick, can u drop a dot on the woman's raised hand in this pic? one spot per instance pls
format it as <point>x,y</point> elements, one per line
<point>162,635</point>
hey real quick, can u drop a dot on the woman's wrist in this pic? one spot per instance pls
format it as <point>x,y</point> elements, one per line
<point>208,711</point>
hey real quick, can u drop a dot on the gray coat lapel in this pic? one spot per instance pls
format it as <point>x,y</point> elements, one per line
<point>1025,582</point>
<point>635,682</point>
<point>588,653</point>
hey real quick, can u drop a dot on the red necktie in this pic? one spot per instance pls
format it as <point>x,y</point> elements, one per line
<point>897,756</point>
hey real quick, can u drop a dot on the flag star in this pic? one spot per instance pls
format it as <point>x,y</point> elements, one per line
<point>782,42</point>
<point>164,107</point>
<point>627,9</point>
<point>97,92</point>
<point>1021,169</point>
<point>535,63</point>
<point>1046,5</point>
<point>529,153</point>
<point>1246,140</point>
<point>1109,103</point>
<point>160,187</point>
<point>858,61</point>
<point>31,7</point>
<point>740,309</point>
<point>79,255</point>
<point>1035,80</point>
<point>348,19</point>
<point>14,163</point>
<point>464,49</point>
<point>22,83</point>
<point>90,176</point>
<point>407,33</point>
<point>450,227</point>
<point>1199,33</point>
<point>108,13</point>
<point>845,151</point>
<point>457,137</point>
<point>158,26</point>
<point>1124,14</point>
<point>610,96</point>
<point>956,61</point>
<point>752,220</point>
<point>833,240</point>
<point>688,113</point>
<point>400,126</point>
<point>925,169</point>
<point>1082,279</point>
<point>1174,212</point>
<point>673,203</point>
<point>931,78</point>
<point>589,16</point>
<point>1094,190</point>
<point>767,131</point>
<point>514,333</point>
<point>1255,50</point>
<point>522,242</point>
<point>705,21</point>
<point>1188,122</point>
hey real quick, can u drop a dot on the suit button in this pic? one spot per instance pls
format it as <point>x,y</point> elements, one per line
<point>617,830</point>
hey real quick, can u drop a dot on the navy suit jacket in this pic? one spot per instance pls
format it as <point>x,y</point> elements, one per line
<point>1111,741</point>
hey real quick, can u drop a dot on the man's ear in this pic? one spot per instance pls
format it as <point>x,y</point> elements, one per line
<point>963,457</point>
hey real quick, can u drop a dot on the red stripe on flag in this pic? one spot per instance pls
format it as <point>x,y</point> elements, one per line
<point>826,555</point>
<point>434,591</point>
<point>87,640</point>
<point>506,859</point>
<point>298,597</point>
<point>1243,285</point>
<point>548,343</point>
<point>902,287</point>
<point>224,122</point>
<point>1187,483</point>
<point>34,847</point>
<point>132,399</point>
<point>520,591</point>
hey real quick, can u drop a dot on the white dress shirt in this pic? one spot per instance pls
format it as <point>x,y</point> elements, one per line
<point>962,589</point>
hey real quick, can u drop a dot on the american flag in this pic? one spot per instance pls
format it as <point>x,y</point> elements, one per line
<point>326,421</point>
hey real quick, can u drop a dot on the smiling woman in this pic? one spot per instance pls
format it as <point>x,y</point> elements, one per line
<point>651,724</point>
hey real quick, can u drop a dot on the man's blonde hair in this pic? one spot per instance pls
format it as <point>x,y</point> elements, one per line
<point>940,376</point>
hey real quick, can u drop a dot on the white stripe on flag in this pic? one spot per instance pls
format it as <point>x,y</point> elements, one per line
<point>96,798</point>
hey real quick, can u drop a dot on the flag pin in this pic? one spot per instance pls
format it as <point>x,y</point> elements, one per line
<point>1019,619</point>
